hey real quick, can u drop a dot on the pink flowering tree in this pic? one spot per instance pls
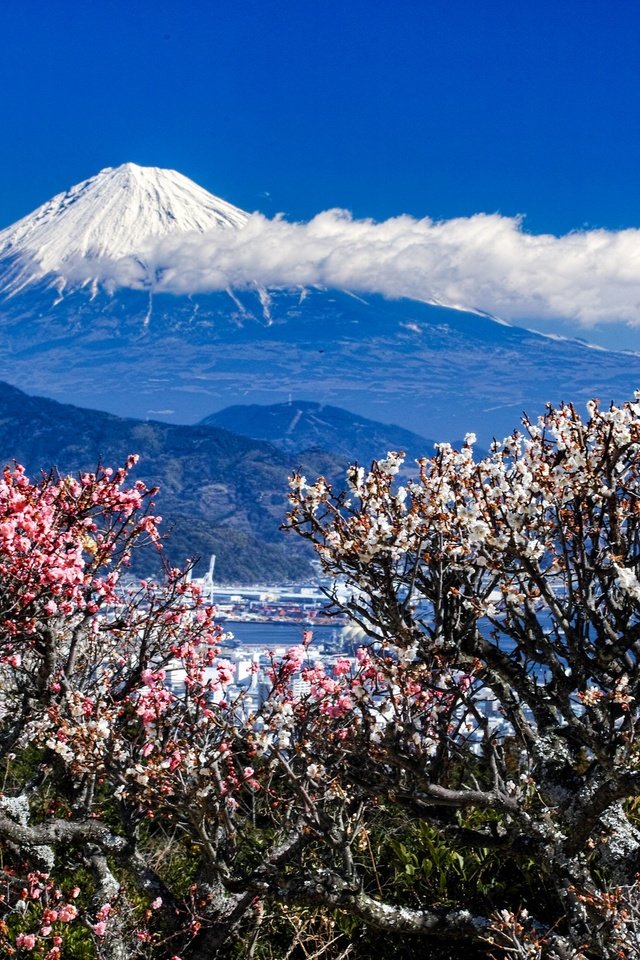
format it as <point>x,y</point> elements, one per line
<point>101,761</point>
<point>496,697</point>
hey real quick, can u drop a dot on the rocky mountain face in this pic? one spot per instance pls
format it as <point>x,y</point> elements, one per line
<point>436,371</point>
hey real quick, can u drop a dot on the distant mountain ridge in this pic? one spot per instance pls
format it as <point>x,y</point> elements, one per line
<point>219,492</point>
<point>302,425</point>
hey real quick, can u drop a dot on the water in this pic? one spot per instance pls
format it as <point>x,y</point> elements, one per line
<point>277,634</point>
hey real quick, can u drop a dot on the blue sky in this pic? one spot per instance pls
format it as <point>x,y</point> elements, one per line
<point>441,109</point>
<point>430,108</point>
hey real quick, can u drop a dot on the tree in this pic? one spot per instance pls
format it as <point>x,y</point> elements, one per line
<point>82,693</point>
<point>466,780</point>
<point>514,580</point>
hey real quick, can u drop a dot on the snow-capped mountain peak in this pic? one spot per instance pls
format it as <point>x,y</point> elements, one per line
<point>112,215</point>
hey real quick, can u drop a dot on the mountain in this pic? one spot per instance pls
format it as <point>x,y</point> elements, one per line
<point>299,426</point>
<point>219,493</point>
<point>110,216</point>
<point>436,371</point>
<point>71,331</point>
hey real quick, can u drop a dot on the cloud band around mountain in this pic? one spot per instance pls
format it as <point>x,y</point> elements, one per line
<point>484,262</point>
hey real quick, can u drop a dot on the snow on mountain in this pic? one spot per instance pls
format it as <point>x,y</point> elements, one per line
<point>71,330</point>
<point>112,215</point>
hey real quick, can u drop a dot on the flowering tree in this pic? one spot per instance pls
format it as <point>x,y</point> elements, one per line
<point>505,587</point>
<point>88,729</point>
<point>467,777</point>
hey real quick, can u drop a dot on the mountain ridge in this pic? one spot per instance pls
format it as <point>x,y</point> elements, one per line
<point>220,492</point>
<point>300,426</point>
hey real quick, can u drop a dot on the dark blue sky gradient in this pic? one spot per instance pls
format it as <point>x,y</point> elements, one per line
<point>438,108</point>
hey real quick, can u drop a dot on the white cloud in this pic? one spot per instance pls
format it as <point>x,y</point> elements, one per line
<point>484,262</point>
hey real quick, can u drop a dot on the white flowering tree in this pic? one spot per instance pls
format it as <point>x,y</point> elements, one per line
<point>497,701</point>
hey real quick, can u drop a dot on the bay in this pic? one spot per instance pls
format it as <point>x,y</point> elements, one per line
<point>272,634</point>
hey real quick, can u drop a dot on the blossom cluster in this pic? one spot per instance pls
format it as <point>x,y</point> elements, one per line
<point>45,913</point>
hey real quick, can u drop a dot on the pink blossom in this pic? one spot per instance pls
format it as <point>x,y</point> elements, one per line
<point>225,671</point>
<point>67,913</point>
<point>26,940</point>
<point>341,667</point>
<point>338,708</point>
